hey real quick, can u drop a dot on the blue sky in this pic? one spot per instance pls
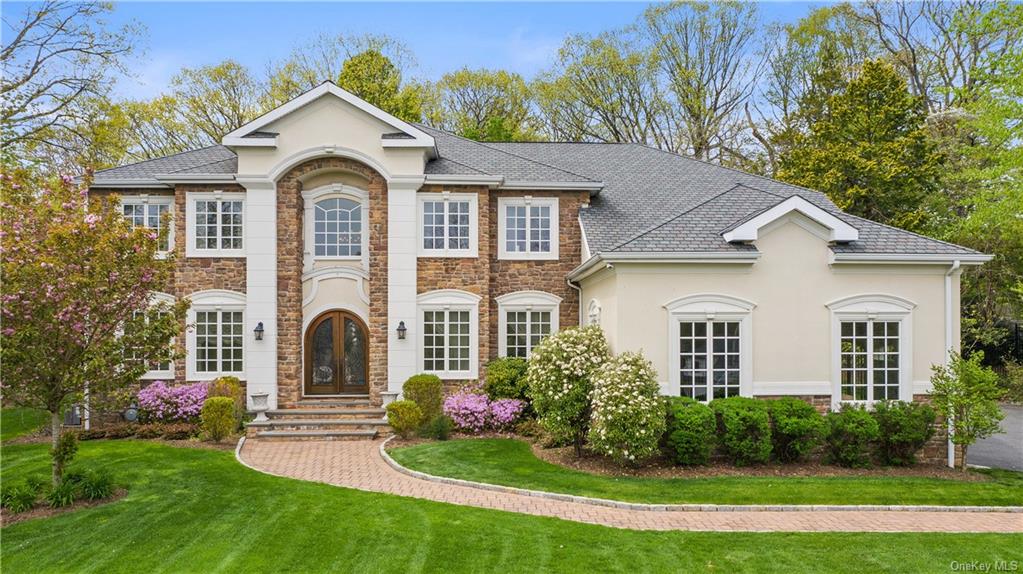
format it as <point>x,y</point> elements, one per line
<point>521,37</point>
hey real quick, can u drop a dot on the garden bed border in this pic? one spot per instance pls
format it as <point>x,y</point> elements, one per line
<point>684,507</point>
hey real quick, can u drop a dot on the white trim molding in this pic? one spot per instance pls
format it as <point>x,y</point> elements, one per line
<point>219,196</point>
<point>525,301</point>
<point>601,260</point>
<point>447,197</point>
<point>333,191</point>
<point>710,307</point>
<point>450,300</point>
<point>419,138</point>
<point>840,231</point>
<point>161,298</point>
<point>869,307</point>
<point>213,300</point>
<point>527,201</point>
<point>154,199</point>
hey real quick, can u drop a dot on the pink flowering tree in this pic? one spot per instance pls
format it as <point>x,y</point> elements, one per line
<point>76,313</point>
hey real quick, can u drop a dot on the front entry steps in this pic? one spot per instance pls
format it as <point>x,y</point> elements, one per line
<point>344,417</point>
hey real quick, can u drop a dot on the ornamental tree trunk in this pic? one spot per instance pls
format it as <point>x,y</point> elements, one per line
<point>962,465</point>
<point>54,440</point>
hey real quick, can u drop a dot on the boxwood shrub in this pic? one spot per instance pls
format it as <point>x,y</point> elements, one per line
<point>404,417</point>
<point>691,429</point>
<point>218,417</point>
<point>850,432</point>
<point>905,428</point>
<point>744,429</point>
<point>506,379</point>
<point>427,391</point>
<point>796,428</point>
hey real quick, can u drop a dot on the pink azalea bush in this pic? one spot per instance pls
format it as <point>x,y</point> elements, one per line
<point>472,410</point>
<point>162,402</point>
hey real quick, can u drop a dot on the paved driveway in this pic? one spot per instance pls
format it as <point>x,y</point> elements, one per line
<point>1004,450</point>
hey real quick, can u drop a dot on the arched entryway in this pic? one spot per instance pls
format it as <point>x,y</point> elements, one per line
<point>336,355</point>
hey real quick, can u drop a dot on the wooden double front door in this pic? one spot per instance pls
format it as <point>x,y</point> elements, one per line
<point>336,355</point>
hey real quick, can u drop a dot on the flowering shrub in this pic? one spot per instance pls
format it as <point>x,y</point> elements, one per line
<point>472,411</point>
<point>162,402</point>
<point>627,419</point>
<point>559,380</point>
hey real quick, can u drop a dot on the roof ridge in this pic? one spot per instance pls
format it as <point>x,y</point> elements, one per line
<point>732,169</point>
<point>674,217</point>
<point>515,155</point>
<point>166,157</point>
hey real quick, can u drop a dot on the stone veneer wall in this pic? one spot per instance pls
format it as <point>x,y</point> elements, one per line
<point>290,235</point>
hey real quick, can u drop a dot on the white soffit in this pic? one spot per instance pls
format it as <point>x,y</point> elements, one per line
<point>749,230</point>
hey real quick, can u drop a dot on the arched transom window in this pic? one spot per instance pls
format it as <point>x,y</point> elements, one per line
<point>338,230</point>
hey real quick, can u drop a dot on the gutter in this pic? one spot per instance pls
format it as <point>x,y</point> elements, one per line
<point>950,344</point>
<point>903,258</point>
<point>593,264</point>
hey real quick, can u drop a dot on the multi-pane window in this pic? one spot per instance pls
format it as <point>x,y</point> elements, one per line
<point>528,228</point>
<point>446,340</point>
<point>338,228</point>
<point>155,367</point>
<point>218,341</point>
<point>870,360</point>
<point>218,224</point>
<point>150,216</point>
<point>447,225</point>
<point>709,359</point>
<point>524,330</point>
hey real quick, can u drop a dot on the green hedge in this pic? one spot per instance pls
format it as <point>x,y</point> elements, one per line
<point>851,431</point>
<point>796,428</point>
<point>506,379</point>
<point>690,433</point>
<point>903,428</point>
<point>427,391</point>
<point>744,429</point>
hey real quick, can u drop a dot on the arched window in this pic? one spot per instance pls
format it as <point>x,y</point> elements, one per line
<point>338,231</point>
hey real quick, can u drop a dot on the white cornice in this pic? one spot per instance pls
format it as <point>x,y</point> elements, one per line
<point>593,264</point>
<point>749,230</point>
<point>910,258</point>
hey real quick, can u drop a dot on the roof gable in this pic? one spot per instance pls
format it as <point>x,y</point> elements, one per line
<point>749,228</point>
<point>245,136</point>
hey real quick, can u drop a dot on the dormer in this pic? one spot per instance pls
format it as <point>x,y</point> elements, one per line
<point>834,229</point>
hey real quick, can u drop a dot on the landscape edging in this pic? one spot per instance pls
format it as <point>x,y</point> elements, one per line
<point>684,507</point>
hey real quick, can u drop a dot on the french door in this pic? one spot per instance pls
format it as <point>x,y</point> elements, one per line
<point>336,355</point>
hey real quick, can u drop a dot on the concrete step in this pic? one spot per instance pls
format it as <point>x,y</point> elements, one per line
<point>317,403</point>
<point>316,434</point>
<point>322,424</point>
<point>327,412</point>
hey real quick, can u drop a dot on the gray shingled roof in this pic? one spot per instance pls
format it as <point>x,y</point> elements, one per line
<point>215,159</point>
<point>651,200</point>
<point>659,201</point>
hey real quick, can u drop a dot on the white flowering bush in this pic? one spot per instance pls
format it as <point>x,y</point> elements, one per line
<point>627,416</point>
<point>559,382</point>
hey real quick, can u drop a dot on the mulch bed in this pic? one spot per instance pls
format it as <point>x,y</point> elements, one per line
<point>43,511</point>
<point>661,468</point>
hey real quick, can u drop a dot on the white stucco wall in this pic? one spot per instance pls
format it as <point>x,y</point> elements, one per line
<point>791,285</point>
<point>330,121</point>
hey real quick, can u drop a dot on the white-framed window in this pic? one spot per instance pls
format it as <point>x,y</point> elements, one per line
<point>336,224</point>
<point>527,227</point>
<point>216,224</point>
<point>148,211</point>
<point>161,369</point>
<point>710,347</point>
<point>216,335</point>
<point>871,349</point>
<point>449,333</point>
<point>448,224</point>
<point>524,319</point>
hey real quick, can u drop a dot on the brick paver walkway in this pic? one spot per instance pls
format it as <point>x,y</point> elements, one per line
<point>358,464</point>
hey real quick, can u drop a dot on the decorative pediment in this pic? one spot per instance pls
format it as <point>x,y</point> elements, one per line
<point>749,230</point>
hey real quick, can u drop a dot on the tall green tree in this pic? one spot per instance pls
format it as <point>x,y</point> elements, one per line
<point>869,151</point>
<point>484,105</point>
<point>373,77</point>
<point>217,99</point>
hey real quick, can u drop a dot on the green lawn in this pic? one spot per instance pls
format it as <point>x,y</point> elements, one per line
<point>191,510</point>
<point>18,421</point>
<point>512,463</point>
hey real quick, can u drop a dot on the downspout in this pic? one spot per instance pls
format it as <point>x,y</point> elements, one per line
<point>949,345</point>
<point>578,290</point>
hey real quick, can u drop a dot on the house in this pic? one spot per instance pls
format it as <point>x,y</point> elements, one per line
<point>369,249</point>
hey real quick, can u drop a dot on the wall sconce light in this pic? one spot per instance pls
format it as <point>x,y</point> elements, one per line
<point>401,330</point>
<point>259,331</point>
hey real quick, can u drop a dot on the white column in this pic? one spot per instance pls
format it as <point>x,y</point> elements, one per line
<point>401,279</point>
<point>261,287</point>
